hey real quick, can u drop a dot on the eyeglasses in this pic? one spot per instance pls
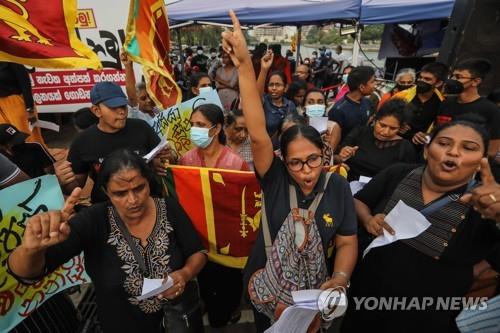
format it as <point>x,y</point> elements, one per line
<point>313,162</point>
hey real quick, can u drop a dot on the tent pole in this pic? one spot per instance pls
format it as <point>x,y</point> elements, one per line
<point>299,39</point>
<point>356,46</point>
<point>181,58</point>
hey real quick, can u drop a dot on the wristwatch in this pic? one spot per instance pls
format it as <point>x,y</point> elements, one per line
<point>344,275</point>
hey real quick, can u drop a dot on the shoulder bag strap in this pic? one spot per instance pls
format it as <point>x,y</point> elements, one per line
<point>314,205</point>
<point>446,200</point>
<point>135,252</point>
<point>265,228</point>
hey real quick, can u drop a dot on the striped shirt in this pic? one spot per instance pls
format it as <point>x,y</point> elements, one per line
<point>480,319</point>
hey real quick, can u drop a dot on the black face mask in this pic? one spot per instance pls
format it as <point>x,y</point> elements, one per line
<point>402,87</point>
<point>423,87</point>
<point>453,87</point>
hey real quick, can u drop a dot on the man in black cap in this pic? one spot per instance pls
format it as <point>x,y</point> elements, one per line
<point>31,157</point>
<point>113,131</point>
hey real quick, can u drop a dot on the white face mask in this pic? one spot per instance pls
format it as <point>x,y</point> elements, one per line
<point>213,54</point>
<point>199,136</point>
<point>315,110</point>
<point>200,52</point>
<point>205,90</point>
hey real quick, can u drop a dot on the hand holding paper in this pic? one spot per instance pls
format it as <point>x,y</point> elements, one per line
<point>153,287</point>
<point>406,222</point>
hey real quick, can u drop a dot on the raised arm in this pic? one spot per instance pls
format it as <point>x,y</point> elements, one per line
<point>265,64</point>
<point>262,149</point>
<point>42,231</point>
<point>129,79</point>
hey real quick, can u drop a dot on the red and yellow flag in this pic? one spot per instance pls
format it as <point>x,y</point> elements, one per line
<point>224,207</point>
<point>42,34</point>
<point>148,43</point>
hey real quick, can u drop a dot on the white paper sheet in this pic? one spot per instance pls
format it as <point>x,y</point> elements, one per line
<point>356,186</point>
<point>156,150</point>
<point>153,287</point>
<point>294,319</point>
<point>406,222</point>
<point>365,180</point>
<point>319,123</point>
<point>44,124</point>
<point>307,299</point>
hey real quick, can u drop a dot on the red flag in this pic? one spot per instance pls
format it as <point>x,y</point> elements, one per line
<point>148,43</point>
<point>42,34</point>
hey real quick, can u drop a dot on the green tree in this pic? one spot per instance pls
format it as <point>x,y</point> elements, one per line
<point>372,32</point>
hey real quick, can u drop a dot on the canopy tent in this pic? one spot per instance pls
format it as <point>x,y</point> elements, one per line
<point>308,12</point>
<point>404,11</point>
<point>256,12</point>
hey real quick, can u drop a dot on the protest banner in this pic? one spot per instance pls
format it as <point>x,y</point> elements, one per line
<point>18,203</point>
<point>174,121</point>
<point>69,90</point>
<point>224,207</point>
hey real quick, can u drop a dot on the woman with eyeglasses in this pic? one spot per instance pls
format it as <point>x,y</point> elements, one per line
<point>276,105</point>
<point>307,213</point>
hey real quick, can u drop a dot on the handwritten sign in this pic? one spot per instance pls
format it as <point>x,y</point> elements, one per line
<point>17,204</point>
<point>175,120</point>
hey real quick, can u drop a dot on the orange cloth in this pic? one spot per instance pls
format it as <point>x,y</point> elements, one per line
<point>387,96</point>
<point>13,111</point>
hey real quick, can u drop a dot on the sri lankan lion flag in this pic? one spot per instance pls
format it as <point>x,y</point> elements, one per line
<point>148,43</point>
<point>224,207</point>
<point>42,34</point>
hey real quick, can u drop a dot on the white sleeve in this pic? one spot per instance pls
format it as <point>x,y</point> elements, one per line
<point>8,170</point>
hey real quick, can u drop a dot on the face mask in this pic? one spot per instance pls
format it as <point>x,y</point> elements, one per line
<point>453,87</point>
<point>213,55</point>
<point>315,110</point>
<point>423,87</point>
<point>404,86</point>
<point>200,52</point>
<point>205,90</point>
<point>344,77</point>
<point>199,136</point>
<point>306,62</point>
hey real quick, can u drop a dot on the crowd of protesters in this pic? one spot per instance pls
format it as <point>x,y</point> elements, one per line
<point>432,142</point>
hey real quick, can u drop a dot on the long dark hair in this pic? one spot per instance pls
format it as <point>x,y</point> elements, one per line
<point>215,116</point>
<point>296,131</point>
<point>124,159</point>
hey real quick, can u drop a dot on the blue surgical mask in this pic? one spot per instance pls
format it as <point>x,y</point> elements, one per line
<point>199,136</point>
<point>315,110</point>
<point>344,77</point>
<point>205,90</point>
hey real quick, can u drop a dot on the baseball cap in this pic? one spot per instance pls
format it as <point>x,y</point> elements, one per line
<point>108,93</point>
<point>10,134</point>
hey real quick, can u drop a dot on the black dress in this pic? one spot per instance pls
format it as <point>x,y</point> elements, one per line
<point>372,155</point>
<point>405,268</point>
<point>113,268</point>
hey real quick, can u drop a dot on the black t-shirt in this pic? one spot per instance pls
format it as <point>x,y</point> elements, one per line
<point>113,268</point>
<point>336,204</point>
<point>350,114</point>
<point>32,158</point>
<point>92,146</point>
<point>451,108</point>
<point>370,159</point>
<point>476,238</point>
<point>422,116</point>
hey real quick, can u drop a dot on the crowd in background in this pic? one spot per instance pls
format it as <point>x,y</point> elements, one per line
<point>429,137</point>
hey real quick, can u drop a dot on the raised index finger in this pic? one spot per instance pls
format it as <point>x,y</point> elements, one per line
<point>486,174</point>
<point>236,22</point>
<point>71,201</point>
